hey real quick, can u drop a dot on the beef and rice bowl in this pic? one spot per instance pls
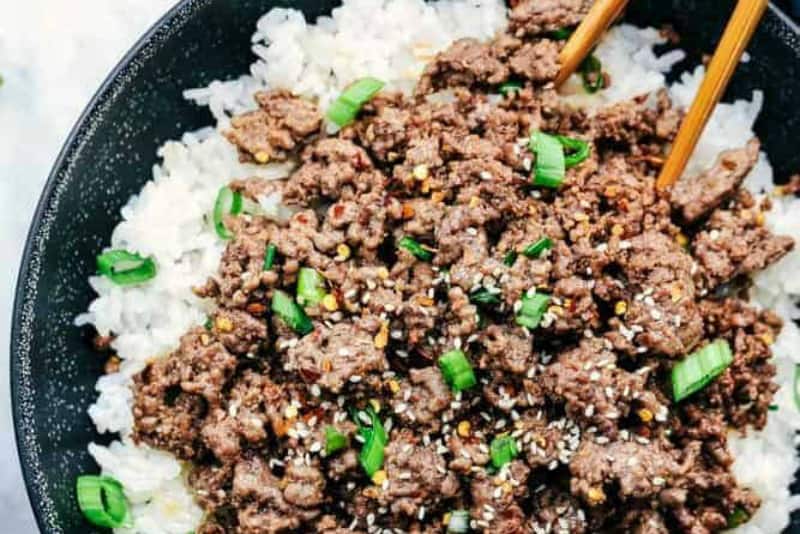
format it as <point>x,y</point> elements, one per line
<point>456,303</point>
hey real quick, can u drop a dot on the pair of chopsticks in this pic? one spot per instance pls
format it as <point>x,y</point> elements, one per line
<point>729,52</point>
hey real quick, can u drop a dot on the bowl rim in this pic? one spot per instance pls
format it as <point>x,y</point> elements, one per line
<point>24,295</point>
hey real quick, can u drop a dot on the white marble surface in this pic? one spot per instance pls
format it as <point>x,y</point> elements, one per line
<point>53,56</point>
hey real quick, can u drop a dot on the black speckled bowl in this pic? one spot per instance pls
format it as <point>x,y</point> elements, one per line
<point>109,156</point>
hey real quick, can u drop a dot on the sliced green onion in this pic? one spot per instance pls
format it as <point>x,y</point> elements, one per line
<point>511,258</point>
<point>550,167</point>
<point>738,517</point>
<point>459,522</point>
<point>344,109</point>
<point>229,202</point>
<point>310,287</point>
<point>536,249</point>
<point>510,87</point>
<point>334,440</point>
<point>417,250</point>
<point>371,455</point>
<point>797,386</point>
<point>773,407</point>
<point>577,148</point>
<point>209,324</point>
<point>700,368</point>
<point>532,310</point>
<point>457,371</point>
<point>562,34</point>
<point>126,268</point>
<point>503,449</point>
<point>291,313</point>
<point>484,296</point>
<point>102,501</point>
<point>592,74</point>
<point>269,256</point>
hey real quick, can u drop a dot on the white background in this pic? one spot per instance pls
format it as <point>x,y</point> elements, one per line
<point>53,56</point>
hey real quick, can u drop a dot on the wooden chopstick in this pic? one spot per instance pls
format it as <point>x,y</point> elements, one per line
<point>737,35</point>
<point>586,35</point>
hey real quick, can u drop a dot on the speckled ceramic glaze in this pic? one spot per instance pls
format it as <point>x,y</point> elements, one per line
<point>109,156</point>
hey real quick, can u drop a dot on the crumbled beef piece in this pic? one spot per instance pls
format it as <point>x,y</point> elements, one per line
<point>744,391</point>
<point>556,511</point>
<point>547,443</point>
<point>640,470</point>
<point>468,452</point>
<point>631,121</point>
<point>211,484</point>
<point>271,132</point>
<point>578,310</point>
<point>644,522</point>
<point>240,332</point>
<point>429,480</point>
<point>464,315</point>
<point>466,63</point>
<point>361,224</point>
<point>595,391</point>
<point>735,242</point>
<point>697,196</point>
<point>335,169</point>
<point>332,356</point>
<point>535,17</point>
<point>424,215</point>
<point>171,395</point>
<point>500,511</point>
<point>221,436</point>
<point>662,315</point>
<point>537,61</point>
<point>506,348</point>
<point>329,524</point>
<point>385,133</point>
<point>268,504</point>
<point>421,401</point>
<point>241,272</point>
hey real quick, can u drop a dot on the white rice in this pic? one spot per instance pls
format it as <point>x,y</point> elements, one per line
<point>390,39</point>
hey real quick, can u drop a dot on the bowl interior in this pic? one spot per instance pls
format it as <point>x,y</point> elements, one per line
<point>110,154</point>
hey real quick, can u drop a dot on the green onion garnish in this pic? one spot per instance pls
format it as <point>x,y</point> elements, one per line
<point>344,109</point>
<point>578,150</point>
<point>773,407</point>
<point>291,313</point>
<point>550,167</point>
<point>334,440</point>
<point>417,250</point>
<point>484,296</point>
<point>797,386</point>
<point>228,202</point>
<point>209,324</point>
<point>738,517</point>
<point>126,268</point>
<point>102,501</point>
<point>459,522</point>
<point>269,256</point>
<point>310,287</point>
<point>536,249</point>
<point>511,258</point>
<point>502,450</point>
<point>592,74</point>
<point>457,371</point>
<point>700,368</point>
<point>532,310</point>
<point>371,455</point>
<point>509,87</point>
<point>561,34</point>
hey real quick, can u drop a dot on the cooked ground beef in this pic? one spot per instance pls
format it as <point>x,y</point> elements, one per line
<point>636,279</point>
